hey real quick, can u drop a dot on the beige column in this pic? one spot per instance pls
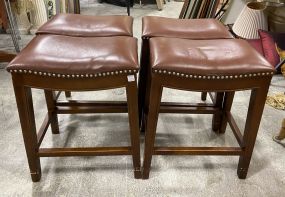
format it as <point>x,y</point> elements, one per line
<point>20,10</point>
<point>38,14</point>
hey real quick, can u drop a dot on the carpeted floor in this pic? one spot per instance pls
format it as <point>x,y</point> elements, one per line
<point>113,176</point>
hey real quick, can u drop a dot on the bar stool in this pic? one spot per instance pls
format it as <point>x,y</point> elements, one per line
<point>194,29</point>
<point>224,65</point>
<point>77,25</point>
<point>88,26</point>
<point>64,63</point>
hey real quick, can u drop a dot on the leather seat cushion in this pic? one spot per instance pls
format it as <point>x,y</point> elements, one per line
<point>92,26</point>
<point>206,57</point>
<point>184,28</point>
<point>77,55</point>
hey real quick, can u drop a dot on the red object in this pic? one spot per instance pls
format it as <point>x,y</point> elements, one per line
<point>268,40</point>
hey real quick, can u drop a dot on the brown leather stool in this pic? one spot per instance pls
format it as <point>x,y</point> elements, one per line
<point>207,65</point>
<point>64,63</point>
<point>201,29</point>
<point>77,25</point>
<point>88,26</point>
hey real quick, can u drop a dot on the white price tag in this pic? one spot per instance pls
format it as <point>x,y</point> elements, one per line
<point>131,78</point>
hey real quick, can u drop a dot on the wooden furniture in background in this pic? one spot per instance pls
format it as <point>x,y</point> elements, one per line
<point>6,56</point>
<point>3,16</point>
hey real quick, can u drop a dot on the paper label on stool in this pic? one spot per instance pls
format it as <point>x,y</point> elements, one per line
<point>131,78</point>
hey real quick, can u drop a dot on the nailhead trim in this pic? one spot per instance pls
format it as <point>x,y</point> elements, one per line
<point>212,76</point>
<point>57,75</point>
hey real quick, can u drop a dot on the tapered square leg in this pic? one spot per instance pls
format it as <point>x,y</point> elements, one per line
<point>227,105</point>
<point>217,117</point>
<point>204,96</point>
<point>256,106</point>
<point>152,118</point>
<point>51,100</point>
<point>132,101</point>
<point>27,119</point>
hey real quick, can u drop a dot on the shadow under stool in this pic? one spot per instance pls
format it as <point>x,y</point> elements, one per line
<point>222,65</point>
<point>194,29</point>
<point>64,63</point>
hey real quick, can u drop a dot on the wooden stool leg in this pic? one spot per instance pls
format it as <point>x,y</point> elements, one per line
<point>204,96</point>
<point>27,119</point>
<point>217,118</point>
<point>228,101</point>
<point>132,101</point>
<point>152,118</point>
<point>255,109</point>
<point>51,100</point>
<point>67,94</point>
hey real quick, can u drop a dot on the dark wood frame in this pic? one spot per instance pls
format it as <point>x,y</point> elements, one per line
<point>259,88</point>
<point>22,87</point>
